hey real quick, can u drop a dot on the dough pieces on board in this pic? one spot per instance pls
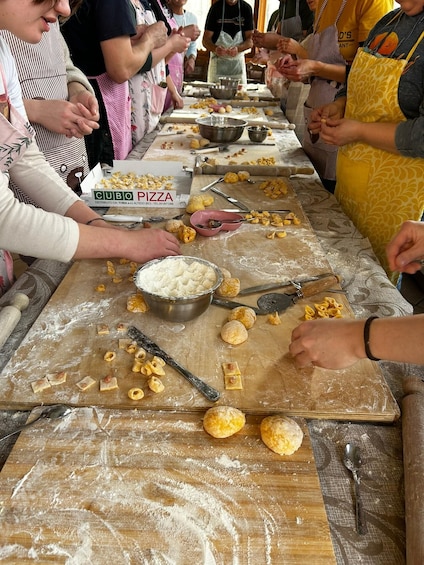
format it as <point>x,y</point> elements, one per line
<point>223,421</point>
<point>281,434</point>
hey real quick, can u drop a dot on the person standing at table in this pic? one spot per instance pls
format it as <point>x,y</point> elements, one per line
<point>380,166</point>
<point>107,46</point>
<point>59,102</point>
<point>228,34</point>
<point>63,227</point>
<point>184,19</point>
<point>339,343</point>
<point>340,27</point>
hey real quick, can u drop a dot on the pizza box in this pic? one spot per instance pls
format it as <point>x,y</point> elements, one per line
<point>94,194</point>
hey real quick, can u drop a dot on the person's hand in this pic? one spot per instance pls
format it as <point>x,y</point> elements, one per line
<point>406,248</point>
<point>88,108</point>
<point>155,34</point>
<point>192,31</point>
<point>329,113</point>
<point>232,51</point>
<point>141,28</point>
<point>177,100</point>
<point>64,117</point>
<point>189,65</point>
<point>299,70</point>
<point>147,244</point>
<point>288,45</point>
<point>340,132</point>
<point>328,343</point>
<point>258,38</point>
<point>221,51</point>
<point>179,43</point>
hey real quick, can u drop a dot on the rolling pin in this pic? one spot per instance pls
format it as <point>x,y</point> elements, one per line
<point>10,316</point>
<point>413,461</point>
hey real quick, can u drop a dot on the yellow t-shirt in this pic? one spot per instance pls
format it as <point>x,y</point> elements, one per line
<point>355,23</point>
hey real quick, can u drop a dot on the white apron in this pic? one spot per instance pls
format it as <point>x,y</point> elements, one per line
<point>15,136</point>
<point>230,67</point>
<point>324,47</point>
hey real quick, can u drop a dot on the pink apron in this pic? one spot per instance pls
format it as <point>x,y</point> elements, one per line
<point>324,47</point>
<point>15,136</point>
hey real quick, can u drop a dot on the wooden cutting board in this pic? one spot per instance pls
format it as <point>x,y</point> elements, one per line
<point>147,487</point>
<point>64,337</point>
<point>288,157</point>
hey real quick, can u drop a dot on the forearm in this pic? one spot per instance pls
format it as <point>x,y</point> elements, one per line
<point>378,135</point>
<point>74,88</point>
<point>36,110</point>
<point>208,43</point>
<point>247,44</point>
<point>328,71</point>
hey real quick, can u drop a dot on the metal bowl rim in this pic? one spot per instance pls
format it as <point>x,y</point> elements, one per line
<point>239,123</point>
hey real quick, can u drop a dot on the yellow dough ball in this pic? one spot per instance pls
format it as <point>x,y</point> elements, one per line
<point>225,273</point>
<point>243,176</point>
<point>231,177</point>
<point>195,203</point>
<point>281,434</point>
<point>234,332</point>
<point>223,421</point>
<point>172,226</point>
<point>194,144</point>
<point>207,199</point>
<point>229,288</point>
<point>244,315</point>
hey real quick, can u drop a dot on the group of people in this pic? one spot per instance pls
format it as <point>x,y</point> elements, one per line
<point>365,121</point>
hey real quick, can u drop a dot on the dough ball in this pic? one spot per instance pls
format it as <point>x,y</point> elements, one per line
<point>207,199</point>
<point>281,434</point>
<point>172,226</point>
<point>243,176</point>
<point>225,273</point>
<point>234,332</point>
<point>195,203</point>
<point>229,288</point>
<point>203,142</point>
<point>194,144</point>
<point>244,315</point>
<point>223,421</point>
<point>231,177</point>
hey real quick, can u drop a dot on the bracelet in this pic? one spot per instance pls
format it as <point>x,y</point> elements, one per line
<point>367,338</point>
<point>93,220</point>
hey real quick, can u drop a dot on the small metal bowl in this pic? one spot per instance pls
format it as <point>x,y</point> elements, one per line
<point>221,92</point>
<point>221,129</point>
<point>229,82</point>
<point>257,133</point>
<point>175,308</point>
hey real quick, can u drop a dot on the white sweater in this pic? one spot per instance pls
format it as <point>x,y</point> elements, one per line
<point>23,228</point>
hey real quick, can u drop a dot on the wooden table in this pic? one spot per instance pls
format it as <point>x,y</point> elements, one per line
<point>368,292</point>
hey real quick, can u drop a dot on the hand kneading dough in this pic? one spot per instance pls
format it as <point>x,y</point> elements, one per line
<point>281,434</point>
<point>223,421</point>
<point>244,315</point>
<point>234,332</point>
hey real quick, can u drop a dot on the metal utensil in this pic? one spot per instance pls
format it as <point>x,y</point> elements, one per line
<point>291,286</point>
<point>214,224</point>
<point>352,461</point>
<point>230,304</point>
<point>211,184</point>
<point>53,412</point>
<point>232,200</point>
<point>209,392</point>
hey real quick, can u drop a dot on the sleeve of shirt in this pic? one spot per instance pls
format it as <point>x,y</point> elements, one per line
<point>248,15</point>
<point>73,73</point>
<point>409,137</point>
<point>114,19</point>
<point>370,12</point>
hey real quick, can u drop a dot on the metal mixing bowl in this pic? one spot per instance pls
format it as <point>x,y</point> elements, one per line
<point>257,133</point>
<point>176,308</point>
<point>220,129</point>
<point>229,82</point>
<point>221,92</point>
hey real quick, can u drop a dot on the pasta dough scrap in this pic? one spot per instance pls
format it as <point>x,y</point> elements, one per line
<point>102,329</point>
<point>57,378</point>
<point>223,421</point>
<point>108,383</point>
<point>41,384</point>
<point>109,356</point>
<point>186,234</point>
<point>281,434</point>
<point>172,226</point>
<point>274,319</point>
<point>85,383</point>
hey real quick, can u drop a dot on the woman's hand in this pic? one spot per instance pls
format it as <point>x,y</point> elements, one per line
<point>406,248</point>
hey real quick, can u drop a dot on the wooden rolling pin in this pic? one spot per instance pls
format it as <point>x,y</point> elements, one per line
<point>256,170</point>
<point>10,316</point>
<point>413,462</point>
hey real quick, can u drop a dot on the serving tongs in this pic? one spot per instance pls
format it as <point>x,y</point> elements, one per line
<point>151,347</point>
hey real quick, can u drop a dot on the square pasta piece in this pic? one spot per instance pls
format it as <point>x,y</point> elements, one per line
<point>108,383</point>
<point>233,382</point>
<point>85,383</point>
<point>124,342</point>
<point>57,378</point>
<point>102,329</point>
<point>40,384</point>
<point>231,368</point>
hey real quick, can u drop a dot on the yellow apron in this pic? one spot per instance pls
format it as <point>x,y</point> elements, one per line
<point>377,189</point>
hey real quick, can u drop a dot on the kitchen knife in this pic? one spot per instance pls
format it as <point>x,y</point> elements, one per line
<point>312,284</point>
<point>121,218</point>
<point>231,200</point>
<point>150,346</point>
